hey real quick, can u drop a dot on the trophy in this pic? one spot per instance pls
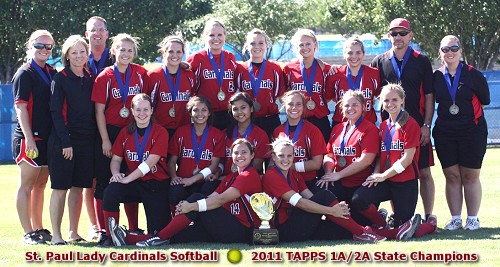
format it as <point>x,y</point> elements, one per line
<point>262,204</point>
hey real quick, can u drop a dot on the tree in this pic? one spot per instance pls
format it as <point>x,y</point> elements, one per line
<point>278,18</point>
<point>475,22</point>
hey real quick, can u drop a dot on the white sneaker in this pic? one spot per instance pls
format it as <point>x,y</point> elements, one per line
<point>454,224</point>
<point>471,224</point>
<point>93,234</point>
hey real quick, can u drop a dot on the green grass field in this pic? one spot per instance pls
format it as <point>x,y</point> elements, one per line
<point>484,242</point>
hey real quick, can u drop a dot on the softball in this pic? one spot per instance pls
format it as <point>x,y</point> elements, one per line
<point>32,154</point>
<point>234,256</point>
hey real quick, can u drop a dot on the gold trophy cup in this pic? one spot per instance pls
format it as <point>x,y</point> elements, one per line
<point>262,204</point>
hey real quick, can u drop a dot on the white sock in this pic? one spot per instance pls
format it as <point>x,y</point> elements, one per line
<point>456,217</point>
<point>472,218</point>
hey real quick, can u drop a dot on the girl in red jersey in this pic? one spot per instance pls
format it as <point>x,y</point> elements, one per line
<point>354,76</point>
<point>242,109</point>
<point>194,154</point>
<point>71,153</point>
<point>307,75</point>
<point>396,173</point>
<point>143,145</point>
<point>353,147</point>
<point>225,215</point>
<point>460,132</point>
<point>113,91</point>
<point>215,68</point>
<point>171,86</point>
<point>309,144</point>
<point>298,210</point>
<point>262,80</point>
<point>31,87</point>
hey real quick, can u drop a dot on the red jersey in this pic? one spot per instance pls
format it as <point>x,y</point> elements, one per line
<point>295,81</point>
<point>257,137</point>
<point>162,97</point>
<point>181,145</point>
<point>157,144</point>
<point>248,183</point>
<point>272,86</point>
<point>406,137</point>
<point>276,185</point>
<point>310,143</point>
<point>364,139</point>
<point>106,91</point>
<point>207,79</point>
<point>337,85</point>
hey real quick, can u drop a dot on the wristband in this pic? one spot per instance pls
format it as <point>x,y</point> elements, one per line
<point>202,205</point>
<point>206,172</point>
<point>144,168</point>
<point>398,167</point>
<point>221,167</point>
<point>327,159</point>
<point>295,199</point>
<point>300,167</point>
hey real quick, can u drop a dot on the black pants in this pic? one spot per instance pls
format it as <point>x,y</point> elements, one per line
<point>302,225</point>
<point>345,194</point>
<point>323,125</point>
<point>404,198</point>
<point>219,224</point>
<point>179,192</point>
<point>152,193</point>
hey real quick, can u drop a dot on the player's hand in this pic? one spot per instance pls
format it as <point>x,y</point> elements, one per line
<point>106,148</point>
<point>425,135</point>
<point>176,180</point>
<point>116,178</point>
<point>185,65</point>
<point>67,153</point>
<point>373,180</point>
<point>188,181</point>
<point>333,70</point>
<point>31,148</point>
<point>340,210</point>
<point>184,207</point>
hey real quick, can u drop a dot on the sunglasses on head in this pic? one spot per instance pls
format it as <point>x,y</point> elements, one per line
<point>453,48</point>
<point>401,33</point>
<point>41,46</point>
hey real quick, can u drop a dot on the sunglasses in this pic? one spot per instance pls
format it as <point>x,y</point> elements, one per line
<point>41,46</point>
<point>446,49</point>
<point>401,33</point>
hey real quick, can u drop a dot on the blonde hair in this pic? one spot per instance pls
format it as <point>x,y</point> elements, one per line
<point>32,39</point>
<point>124,37</point>
<point>353,41</point>
<point>401,93</point>
<point>448,37</point>
<point>250,35</point>
<point>71,42</point>
<point>303,32</point>
<point>169,40</point>
<point>356,94</point>
<point>287,97</point>
<point>211,23</point>
<point>281,141</point>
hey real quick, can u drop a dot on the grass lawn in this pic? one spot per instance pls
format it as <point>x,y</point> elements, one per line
<point>485,242</point>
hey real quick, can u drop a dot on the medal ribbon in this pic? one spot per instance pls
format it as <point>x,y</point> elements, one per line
<point>354,85</point>
<point>95,70</point>
<point>219,73</point>
<point>297,130</point>
<point>287,178</point>
<point>453,88</point>
<point>389,134</point>
<point>346,136</point>
<point>255,83</point>
<point>308,80</point>
<point>198,148</point>
<point>405,60</point>
<point>123,86</point>
<point>174,90</point>
<point>46,77</point>
<point>245,135</point>
<point>140,146</point>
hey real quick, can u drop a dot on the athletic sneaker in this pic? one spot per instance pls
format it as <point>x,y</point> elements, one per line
<point>93,233</point>
<point>45,234</point>
<point>432,219</point>
<point>104,240</point>
<point>33,238</point>
<point>471,224</point>
<point>453,224</point>
<point>368,236</point>
<point>390,221</point>
<point>153,241</point>
<point>118,234</point>
<point>137,231</point>
<point>383,212</point>
<point>407,229</point>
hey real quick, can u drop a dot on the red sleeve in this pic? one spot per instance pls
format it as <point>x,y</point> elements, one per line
<point>119,144</point>
<point>245,182</point>
<point>175,143</point>
<point>262,148</point>
<point>219,143</point>
<point>300,181</point>
<point>99,91</point>
<point>411,134</point>
<point>318,146</point>
<point>160,147</point>
<point>274,184</point>
<point>370,142</point>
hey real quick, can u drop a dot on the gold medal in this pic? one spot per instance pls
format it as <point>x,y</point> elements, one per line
<point>171,112</point>
<point>124,112</point>
<point>310,104</point>
<point>454,109</point>
<point>221,95</point>
<point>342,162</point>
<point>196,170</point>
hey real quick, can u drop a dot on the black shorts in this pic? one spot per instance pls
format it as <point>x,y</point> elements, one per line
<point>426,157</point>
<point>467,151</point>
<point>19,152</point>
<point>77,172</point>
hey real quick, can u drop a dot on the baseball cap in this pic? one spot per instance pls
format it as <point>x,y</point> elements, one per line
<point>399,23</point>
